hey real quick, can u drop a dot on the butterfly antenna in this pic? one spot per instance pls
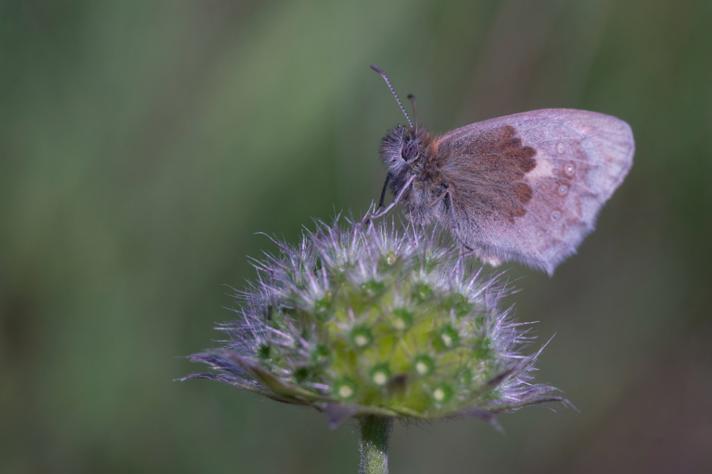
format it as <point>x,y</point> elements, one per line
<point>383,74</point>
<point>411,99</point>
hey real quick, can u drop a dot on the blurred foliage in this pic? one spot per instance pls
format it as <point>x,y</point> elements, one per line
<point>142,145</point>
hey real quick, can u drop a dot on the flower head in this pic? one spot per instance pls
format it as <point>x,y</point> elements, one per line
<point>366,318</point>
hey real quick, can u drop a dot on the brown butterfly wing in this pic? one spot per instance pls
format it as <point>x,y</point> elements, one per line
<point>528,187</point>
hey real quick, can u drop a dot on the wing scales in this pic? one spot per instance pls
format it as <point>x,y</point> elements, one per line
<point>581,158</point>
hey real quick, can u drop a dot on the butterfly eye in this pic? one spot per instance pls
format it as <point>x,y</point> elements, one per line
<point>409,150</point>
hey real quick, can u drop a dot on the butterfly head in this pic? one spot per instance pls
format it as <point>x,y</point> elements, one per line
<point>403,149</point>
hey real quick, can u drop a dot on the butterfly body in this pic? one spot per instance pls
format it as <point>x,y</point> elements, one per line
<point>525,187</point>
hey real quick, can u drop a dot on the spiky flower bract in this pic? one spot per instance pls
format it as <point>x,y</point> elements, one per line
<point>370,319</point>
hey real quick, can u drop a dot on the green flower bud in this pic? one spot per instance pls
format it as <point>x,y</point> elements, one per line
<point>369,320</point>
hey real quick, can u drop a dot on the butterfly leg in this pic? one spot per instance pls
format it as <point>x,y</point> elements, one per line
<point>395,202</point>
<point>443,195</point>
<point>383,191</point>
<point>466,250</point>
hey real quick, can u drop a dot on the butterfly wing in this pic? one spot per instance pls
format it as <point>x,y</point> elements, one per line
<point>528,187</point>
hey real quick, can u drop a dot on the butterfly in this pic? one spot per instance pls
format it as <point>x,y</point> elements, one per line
<point>525,187</point>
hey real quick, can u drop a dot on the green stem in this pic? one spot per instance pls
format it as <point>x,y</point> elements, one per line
<point>374,444</point>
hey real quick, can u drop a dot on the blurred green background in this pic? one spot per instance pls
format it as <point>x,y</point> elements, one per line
<point>143,143</point>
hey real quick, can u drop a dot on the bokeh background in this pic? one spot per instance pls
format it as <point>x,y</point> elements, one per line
<point>142,145</point>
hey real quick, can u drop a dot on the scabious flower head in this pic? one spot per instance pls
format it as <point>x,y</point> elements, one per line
<point>372,319</point>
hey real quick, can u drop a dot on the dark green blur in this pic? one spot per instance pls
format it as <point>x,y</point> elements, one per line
<point>144,143</point>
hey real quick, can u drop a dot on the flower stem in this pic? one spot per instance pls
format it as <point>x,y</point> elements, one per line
<point>374,444</point>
